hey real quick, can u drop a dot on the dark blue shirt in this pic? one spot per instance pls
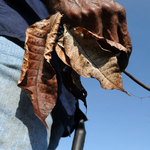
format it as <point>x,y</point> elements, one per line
<point>17,15</point>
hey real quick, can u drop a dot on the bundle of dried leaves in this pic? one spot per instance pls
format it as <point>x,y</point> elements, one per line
<point>85,53</point>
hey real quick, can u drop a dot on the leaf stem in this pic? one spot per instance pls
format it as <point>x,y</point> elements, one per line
<point>137,81</point>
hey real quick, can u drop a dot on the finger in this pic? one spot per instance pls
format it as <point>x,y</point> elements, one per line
<point>110,22</point>
<point>123,33</point>
<point>124,37</point>
<point>91,19</point>
<point>123,60</point>
<point>72,13</point>
<point>92,22</point>
<point>110,28</point>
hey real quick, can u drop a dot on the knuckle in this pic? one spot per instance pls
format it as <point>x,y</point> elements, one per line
<point>121,12</point>
<point>92,10</point>
<point>108,7</point>
<point>84,12</point>
<point>75,14</point>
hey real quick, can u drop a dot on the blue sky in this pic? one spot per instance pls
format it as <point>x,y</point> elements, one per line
<point>117,121</point>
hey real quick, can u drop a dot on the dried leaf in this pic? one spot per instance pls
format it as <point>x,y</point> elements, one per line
<point>89,59</point>
<point>61,54</point>
<point>106,45</point>
<point>38,77</point>
<point>71,79</point>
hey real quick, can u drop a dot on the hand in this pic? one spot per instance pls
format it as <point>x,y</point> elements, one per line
<point>106,18</point>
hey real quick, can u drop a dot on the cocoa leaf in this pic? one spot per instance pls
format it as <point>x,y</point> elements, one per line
<point>38,77</point>
<point>89,59</point>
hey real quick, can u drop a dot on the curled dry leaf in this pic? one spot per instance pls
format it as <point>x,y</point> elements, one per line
<point>107,45</point>
<point>71,79</point>
<point>38,77</point>
<point>89,59</point>
<point>61,54</point>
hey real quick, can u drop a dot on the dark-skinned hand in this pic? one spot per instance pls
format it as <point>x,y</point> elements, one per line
<point>105,18</point>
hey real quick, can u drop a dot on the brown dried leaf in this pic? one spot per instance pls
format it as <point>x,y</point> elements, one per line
<point>38,77</point>
<point>89,59</point>
<point>62,55</point>
<point>107,45</point>
<point>71,79</point>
